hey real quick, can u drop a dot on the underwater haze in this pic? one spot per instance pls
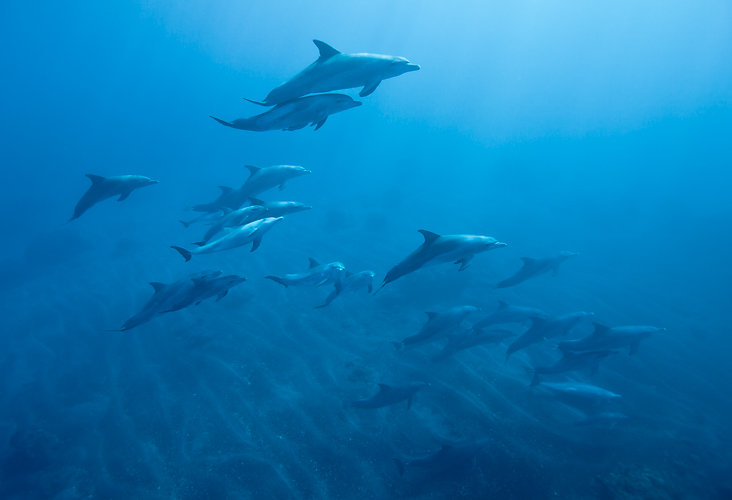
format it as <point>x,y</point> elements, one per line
<point>579,349</point>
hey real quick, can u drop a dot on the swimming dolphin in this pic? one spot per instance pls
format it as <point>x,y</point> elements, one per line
<point>535,267</point>
<point>438,324</point>
<point>471,338</point>
<point>458,248</point>
<point>617,337</point>
<point>205,288</point>
<point>586,362</point>
<point>449,459</point>
<point>107,187</point>
<point>507,313</point>
<point>260,180</point>
<point>334,70</point>
<point>317,275</point>
<point>312,110</point>
<point>234,237</point>
<point>349,282</point>
<point>542,328</point>
<point>206,218</point>
<point>165,297</point>
<point>585,397</point>
<point>390,395</point>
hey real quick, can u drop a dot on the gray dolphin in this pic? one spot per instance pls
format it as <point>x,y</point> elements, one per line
<point>450,458</point>
<point>390,395</point>
<point>458,248</point>
<point>312,110</point>
<point>585,362</point>
<point>334,70</point>
<point>543,328</point>
<point>316,275</point>
<point>471,338</point>
<point>438,324</point>
<point>586,397</point>
<point>234,237</point>
<point>260,179</point>
<point>205,288</point>
<point>348,282</point>
<point>508,313</point>
<point>617,337</point>
<point>108,187</point>
<point>206,218</point>
<point>535,267</point>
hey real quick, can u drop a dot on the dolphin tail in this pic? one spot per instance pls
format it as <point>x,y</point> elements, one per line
<point>381,287</point>
<point>400,466</point>
<point>258,103</point>
<point>185,253</point>
<point>117,330</point>
<point>223,122</point>
<point>278,280</point>
<point>185,224</point>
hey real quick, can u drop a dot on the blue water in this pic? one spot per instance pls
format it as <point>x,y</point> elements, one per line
<point>602,128</point>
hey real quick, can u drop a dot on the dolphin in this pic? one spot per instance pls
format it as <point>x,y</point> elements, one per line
<point>471,338</point>
<point>586,397</point>
<point>108,187</point>
<point>535,267</point>
<point>316,275</point>
<point>348,282</point>
<point>206,217</point>
<point>234,237</point>
<point>542,328</point>
<point>586,362</point>
<point>390,395</point>
<point>260,180</point>
<point>438,324</point>
<point>458,248</point>
<point>617,337</point>
<point>205,288</point>
<point>450,458</point>
<point>507,313</point>
<point>312,110</point>
<point>334,70</point>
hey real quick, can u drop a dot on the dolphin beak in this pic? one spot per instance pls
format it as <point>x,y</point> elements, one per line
<point>413,67</point>
<point>499,244</point>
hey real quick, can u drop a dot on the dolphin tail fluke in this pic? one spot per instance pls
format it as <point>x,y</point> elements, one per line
<point>185,224</point>
<point>184,253</point>
<point>222,122</point>
<point>258,103</point>
<point>277,279</point>
<point>400,466</point>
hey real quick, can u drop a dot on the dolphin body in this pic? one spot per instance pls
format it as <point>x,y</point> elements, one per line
<point>260,180</point>
<point>611,338</point>
<point>449,459</point>
<point>547,328</point>
<point>334,70</point>
<point>458,248</point>
<point>206,217</point>
<point>316,275</point>
<point>470,338</point>
<point>349,282</point>
<point>206,288</point>
<point>234,237</point>
<point>311,110</point>
<point>508,313</point>
<point>390,395</point>
<point>535,267</point>
<point>108,187</point>
<point>586,362</point>
<point>167,297</point>
<point>438,323</point>
<point>586,397</point>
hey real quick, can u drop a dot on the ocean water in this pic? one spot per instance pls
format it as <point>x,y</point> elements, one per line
<point>601,128</point>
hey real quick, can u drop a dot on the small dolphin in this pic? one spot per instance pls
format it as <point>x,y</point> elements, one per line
<point>451,458</point>
<point>107,187</point>
<point>586,362</point>
<point>547,328</point>
<point>312,110</point>
<point>617,337</point>
<point>471,338</point>
<point>317,275</point>
<point>438,324</point>
<point>536,267</point>
<point>334,70</point>
<point>206,218</point>
<point>585,397</point>
<point>507,313</point>
<point>390,395</point>
<point>458,248</point>
<point>205,288</point>
<point>234,237</point>
<point>349,282</point>
<point>260,180</point>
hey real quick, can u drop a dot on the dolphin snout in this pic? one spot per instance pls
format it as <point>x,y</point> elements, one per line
<point>500,244</point>
<point>413,67</point>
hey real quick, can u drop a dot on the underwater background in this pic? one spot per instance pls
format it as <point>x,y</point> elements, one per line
<point>602,128</point>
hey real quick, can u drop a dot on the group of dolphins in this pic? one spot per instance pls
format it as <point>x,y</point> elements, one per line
<point>237,217</point>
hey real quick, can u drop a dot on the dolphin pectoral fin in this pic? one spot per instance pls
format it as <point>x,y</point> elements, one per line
<point>221,295</point>
<point>124,195</point>
<point>326,51</point>
<point>279,280</point>
<point>369,88</point>
<point>321,123</point>
<point>255,244</point>
<point>371,288</point>
<point>282,186</point>
<point>464,263</point>
<point>259,103</point>
<point>184,253</point>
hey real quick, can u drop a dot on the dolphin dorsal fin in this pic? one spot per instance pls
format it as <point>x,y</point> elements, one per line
<point>157,286</point>
<point>430,314</point>
<point>599,329</point>
<point>429,236</point>
<point>95,179</point>
<point>252,169</point>
<point>384,387</point>
<point>224,189</point>
<point>312,263</point>
<point>528,260</point>
<point>326,51</point>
